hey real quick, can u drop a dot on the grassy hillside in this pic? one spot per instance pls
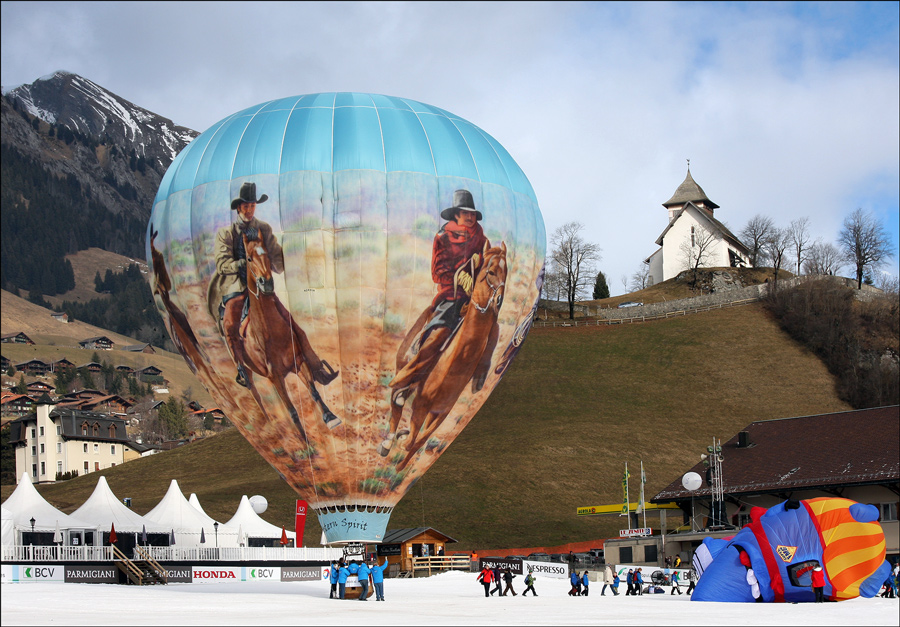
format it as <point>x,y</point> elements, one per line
<point>572,409</point>
<point>55,340</point>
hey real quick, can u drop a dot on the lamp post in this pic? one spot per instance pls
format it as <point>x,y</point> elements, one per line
<point>216,527</point>
<point>32,537</point>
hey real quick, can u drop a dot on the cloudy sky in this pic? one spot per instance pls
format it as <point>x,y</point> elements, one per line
<point>788,110</point>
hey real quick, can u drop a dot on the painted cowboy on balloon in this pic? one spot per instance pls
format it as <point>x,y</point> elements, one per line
<point>459,254</point>
<point>227,292</point>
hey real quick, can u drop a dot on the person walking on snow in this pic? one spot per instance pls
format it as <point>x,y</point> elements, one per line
<point>675,583</point>
<point>508,577</point>
<point>486,576</point>
<point>575,580</point>
<point>498,581</point>
<point>638,582</point>
<point>586,583</point>
<point>333,579</point>
<point>343,573</point>
<point>529,583</point>
<point>629,580</point>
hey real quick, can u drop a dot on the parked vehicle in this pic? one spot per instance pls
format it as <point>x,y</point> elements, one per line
<point>539,557</point>
<point>597,554</point>
<point>559,557</point>
<point>630,303</point>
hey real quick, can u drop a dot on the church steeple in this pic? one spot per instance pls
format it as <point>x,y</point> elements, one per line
<point>687,192</point>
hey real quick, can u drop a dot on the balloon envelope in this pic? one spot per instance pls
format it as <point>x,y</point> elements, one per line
<point>360,200</point>
<point>691,481</point>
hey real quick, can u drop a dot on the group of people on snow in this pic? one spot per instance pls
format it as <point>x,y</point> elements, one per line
<point>498,576</point>
<point>364,571</point>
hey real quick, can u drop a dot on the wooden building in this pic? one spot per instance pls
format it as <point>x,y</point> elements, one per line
<point>15,338</point>
<point>100,342</point>
<point>34,367</point>
<point>400,546</point>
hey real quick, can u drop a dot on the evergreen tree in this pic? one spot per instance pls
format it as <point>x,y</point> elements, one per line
<point>21,386</point>
<point>601,289</point>
<point>174,417</point>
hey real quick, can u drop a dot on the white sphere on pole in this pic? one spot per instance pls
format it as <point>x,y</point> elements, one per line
<point>691,481</point>
<point>259,503</point>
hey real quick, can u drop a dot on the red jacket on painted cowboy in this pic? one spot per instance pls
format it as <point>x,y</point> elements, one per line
<point>453,246</point>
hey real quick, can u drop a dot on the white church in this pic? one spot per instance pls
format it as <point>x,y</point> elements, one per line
<point>694,234</point>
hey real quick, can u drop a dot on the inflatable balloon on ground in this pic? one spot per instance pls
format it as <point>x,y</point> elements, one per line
<point>349,275</point>
<point>773,557</point>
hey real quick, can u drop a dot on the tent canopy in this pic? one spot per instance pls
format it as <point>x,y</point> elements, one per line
<point>174,512</point>
<point>26,503</point>
<point>104,509</point>
<point>252,525</point>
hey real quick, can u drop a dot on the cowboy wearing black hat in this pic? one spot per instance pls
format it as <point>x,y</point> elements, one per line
<point>228,290</point>
<point>455,262</point>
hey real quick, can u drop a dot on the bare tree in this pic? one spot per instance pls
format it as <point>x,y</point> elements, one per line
<point>889,283</point>
<point>799,234</point>
<point>823,258</point>
<point>697,252</point>
<point>553,287</point>
<point>574,259</point>
<point>754,234</point>
<point>775,247</point>
<point>641,277</point>
<point>865,243</point>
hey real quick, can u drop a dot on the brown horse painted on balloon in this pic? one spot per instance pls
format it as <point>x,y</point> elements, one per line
<point>272,344</point>
<point>466,357</point>
<point>179,326</point>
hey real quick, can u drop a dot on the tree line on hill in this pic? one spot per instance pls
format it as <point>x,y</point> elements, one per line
<point>44,218</point>
<point>857,341</point>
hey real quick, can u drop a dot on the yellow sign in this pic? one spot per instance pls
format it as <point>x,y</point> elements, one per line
<point>595,510</point>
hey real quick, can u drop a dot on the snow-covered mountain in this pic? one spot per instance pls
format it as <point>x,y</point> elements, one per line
<point>80,168</point>
<point>87,108</point>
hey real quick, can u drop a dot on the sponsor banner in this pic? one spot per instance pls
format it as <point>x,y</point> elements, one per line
<point>217,574</point>
<point>648,571</point>
<point>38,572</point>
<point>91,574</point>
<point>262,573</point>
<point>304,573</point>
<point>515,566</point>
<point>6,573</point>
<point>178,574</point>
<point>631,533</point>
<point>300,521</point>
<point>546,569</point>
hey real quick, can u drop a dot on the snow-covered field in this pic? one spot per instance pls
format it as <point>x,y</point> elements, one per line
<point>448,599</point>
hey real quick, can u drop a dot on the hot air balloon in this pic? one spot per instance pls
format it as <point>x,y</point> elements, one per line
<point>349,276</point>
<point>772,558</point>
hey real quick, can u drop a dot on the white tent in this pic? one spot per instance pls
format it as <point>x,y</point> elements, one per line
<point>9,528</point>
<point>26,503</point>
<point>104,509</point>
<point>252,525</point>
<point>193,500</point>
<point>174,512</point>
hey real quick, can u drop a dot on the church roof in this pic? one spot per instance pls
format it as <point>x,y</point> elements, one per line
<point>716,225</point>
<point>689,191</point>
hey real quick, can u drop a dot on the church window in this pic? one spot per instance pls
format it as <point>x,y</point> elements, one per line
<point>692,237</point>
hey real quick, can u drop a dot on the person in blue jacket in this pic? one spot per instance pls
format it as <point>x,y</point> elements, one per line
<point>586,583</point>
<point>353,567</point>
<point>638,582</point>
<point>575,580</point>
<point>333,579</point>
<point>343,573</point>
<point>362,572</point>
<point>378,579</point>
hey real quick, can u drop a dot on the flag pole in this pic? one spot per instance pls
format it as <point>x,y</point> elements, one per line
<point>643,481</point>
<point>627,499</point>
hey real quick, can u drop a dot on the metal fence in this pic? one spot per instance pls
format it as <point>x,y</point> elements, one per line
<point>31,553</point>
<point>631,320</point>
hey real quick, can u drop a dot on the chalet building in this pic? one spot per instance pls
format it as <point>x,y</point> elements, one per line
<point>125,371</point>
<point>15,338</point>
<point>399,546</point>
<point>693,231</point>
<point>16,405</point>
<point>5,363</point>
<point>35,367</point>
<point>111,404</point>
<point>61,364</point>
<point>93,367</point>
<point>149,374</point>
<point>60,317</point>
<point>139,348</point>
<point>52,440</point>
<point>82,395</point>
<point>98,343</point>
<point>852,455</point>
<point>37,388</point>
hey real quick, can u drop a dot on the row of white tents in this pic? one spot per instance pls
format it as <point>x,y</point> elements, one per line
<point>175,520</point>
